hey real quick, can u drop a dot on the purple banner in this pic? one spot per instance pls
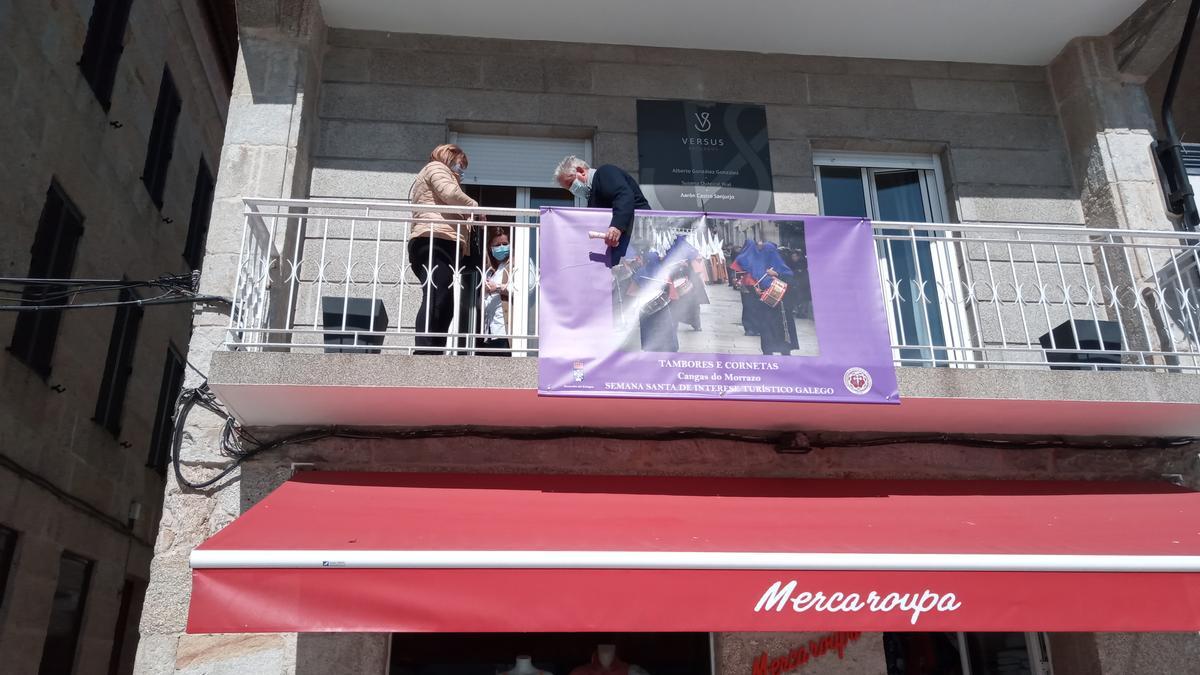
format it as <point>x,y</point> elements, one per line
<point>724,306</point>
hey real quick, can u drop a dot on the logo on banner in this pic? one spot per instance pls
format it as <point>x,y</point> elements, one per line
<point>703,123</point>
<point>577,371</point>
<point>857,380</point>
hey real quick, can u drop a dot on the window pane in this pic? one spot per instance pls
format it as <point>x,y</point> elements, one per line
<point>560,653</point>
<point>66,616</point>
<point>899,195</point>
<point>922,654</point>
<point>8,550</point>
<point>470,309</point>
<point>842,191</point>
<point>901,198</point>
<point>998,654</point>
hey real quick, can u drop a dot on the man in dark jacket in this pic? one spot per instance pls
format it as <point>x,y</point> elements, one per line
<point>605,187</point>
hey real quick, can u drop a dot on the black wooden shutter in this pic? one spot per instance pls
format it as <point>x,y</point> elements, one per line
<point>202,197</point>
<point>162,138</point>
<point>103,46</point>
<point>164,416</point>
<point>118,367</point>
<point>51,257</point>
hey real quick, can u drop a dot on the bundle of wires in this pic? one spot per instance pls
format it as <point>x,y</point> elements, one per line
<point>33,295</point>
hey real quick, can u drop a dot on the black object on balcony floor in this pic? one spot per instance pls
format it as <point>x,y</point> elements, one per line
<point>358,312</point>
<point>1097,335</point>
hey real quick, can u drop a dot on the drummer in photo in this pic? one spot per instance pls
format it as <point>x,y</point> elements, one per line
<point>689,287</point>
<point>767,277</point>
<point>656,319</point>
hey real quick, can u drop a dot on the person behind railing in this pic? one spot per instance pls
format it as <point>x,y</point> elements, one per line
<point>436,247</point>
<point>497,307</point>
<point>764,267</point>
<point>605,187</point>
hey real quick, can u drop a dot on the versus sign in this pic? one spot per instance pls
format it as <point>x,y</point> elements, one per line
<point>704,156</point>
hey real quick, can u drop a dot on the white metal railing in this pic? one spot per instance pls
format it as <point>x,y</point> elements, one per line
<point>338,275</point>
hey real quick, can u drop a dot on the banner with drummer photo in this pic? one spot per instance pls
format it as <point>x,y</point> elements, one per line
<point>726,306</point>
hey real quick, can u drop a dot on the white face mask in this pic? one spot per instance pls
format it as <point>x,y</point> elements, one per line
<point>458,170</point>
<point>580,189</point>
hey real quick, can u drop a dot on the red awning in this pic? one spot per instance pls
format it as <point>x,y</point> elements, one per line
<point>403,552</point>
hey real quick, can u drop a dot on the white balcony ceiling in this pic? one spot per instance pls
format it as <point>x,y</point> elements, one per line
<point>1027,32</point>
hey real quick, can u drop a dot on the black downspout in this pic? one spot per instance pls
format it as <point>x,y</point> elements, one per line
<point>1180,198</point>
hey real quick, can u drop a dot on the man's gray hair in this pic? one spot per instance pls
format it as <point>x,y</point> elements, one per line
<point>568,166</point>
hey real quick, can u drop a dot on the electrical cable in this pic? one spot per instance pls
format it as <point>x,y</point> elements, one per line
<point>159,300</point>
<point>46,294</point>
<point>71,500</point>
<point>239,445</point>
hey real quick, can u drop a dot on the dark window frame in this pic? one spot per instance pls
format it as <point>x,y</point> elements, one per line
<point>125,627</point>
<point>161,144</point>
<point>220,16</point>
<point>103,47</point>
<point>52,651</point>
<point>163,433</point>
<point>52,256</point>
<point>198,219</point>
<point>118,365</point>
<point>8,557</point>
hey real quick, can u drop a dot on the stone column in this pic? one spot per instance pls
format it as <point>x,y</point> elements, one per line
<point>1109,129</point>
<point>269,138</point>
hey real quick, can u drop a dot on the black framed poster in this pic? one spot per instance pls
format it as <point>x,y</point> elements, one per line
<point>712,157</point>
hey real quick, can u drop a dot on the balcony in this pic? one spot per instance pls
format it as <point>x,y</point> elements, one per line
<point>971,30</point>
<point>996,329</point>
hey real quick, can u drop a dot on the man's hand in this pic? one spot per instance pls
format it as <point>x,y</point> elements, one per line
<point>771,271</point>
<point>612,237</point>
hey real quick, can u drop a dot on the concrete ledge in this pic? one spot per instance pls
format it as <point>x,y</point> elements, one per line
<point>307,389</point>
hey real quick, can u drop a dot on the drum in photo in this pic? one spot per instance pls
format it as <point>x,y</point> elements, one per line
<point>656,304</point>
<point>773,295</point>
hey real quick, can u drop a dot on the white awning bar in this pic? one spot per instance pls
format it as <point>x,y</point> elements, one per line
<point>691,560</point>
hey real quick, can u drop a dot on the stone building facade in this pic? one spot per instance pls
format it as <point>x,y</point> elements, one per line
<point>347,113</point>
<point>69,486</point>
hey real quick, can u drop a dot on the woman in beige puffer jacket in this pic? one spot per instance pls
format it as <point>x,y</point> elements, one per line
<point>436,247</point>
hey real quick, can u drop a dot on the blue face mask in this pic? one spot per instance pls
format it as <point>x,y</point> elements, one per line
<point>580,189</point>
<point>500,252</point>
